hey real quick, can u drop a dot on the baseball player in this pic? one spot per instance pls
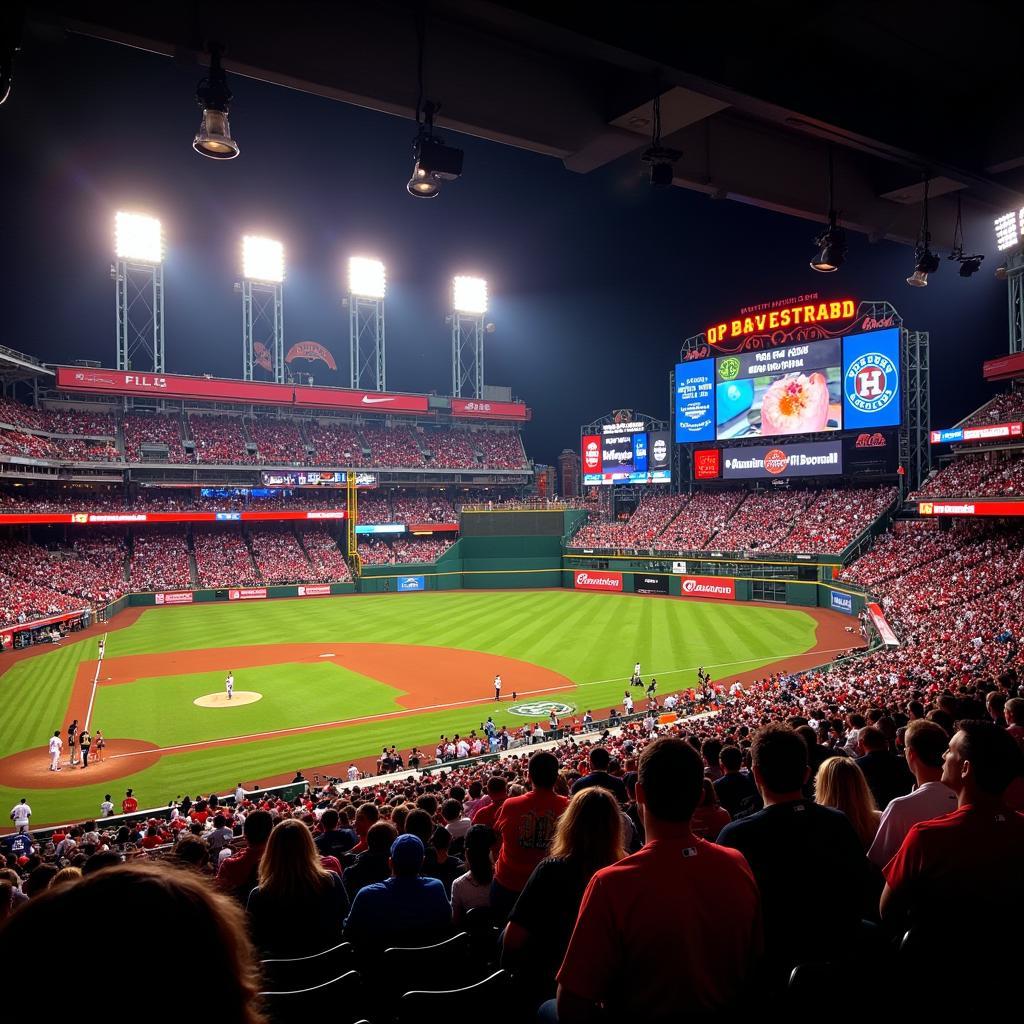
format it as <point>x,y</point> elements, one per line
<point>497,687</point>
<point>229,683</point>
<point>56,746</point>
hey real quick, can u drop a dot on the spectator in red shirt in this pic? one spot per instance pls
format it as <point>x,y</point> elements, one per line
<point>129,805</point>
<point>497,790</point>
<point>961,860</point>
<point>701,895</point>
<point>525,826</point>
<point>239,875</point>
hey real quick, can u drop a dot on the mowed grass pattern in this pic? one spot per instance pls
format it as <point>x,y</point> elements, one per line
<point>592,639</point>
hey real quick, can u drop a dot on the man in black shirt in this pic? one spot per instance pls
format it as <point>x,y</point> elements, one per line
<point>737,791</point>
<point>599,776</point>
<point>888,775</point>
<point>373,865</point>
<point>794,847</point>
<point>334,841</point>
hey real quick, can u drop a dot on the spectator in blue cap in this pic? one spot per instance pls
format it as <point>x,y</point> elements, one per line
<point>405,909</point>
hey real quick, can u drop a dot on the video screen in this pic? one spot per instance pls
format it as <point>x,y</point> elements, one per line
<point>623,454</point>
<point>796,389</point>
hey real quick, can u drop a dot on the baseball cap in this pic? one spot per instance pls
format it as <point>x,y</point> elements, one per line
<point>22,860</point>
<point>407,854</point>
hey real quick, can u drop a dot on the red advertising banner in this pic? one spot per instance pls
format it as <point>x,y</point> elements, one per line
<point>586,580</point>
<point>432,527</point>
<point>981,507</point>
<point>128,518</point>
<point>314,590</point>
<point>723,588</point>
<point>477,408</point>
<point>116,382</point>
<point>707,463</point>
<point>247,594</point>
<point>1004,367</point>
<point>175,597</point>
<point>590,453</point>
<point>883,627</point>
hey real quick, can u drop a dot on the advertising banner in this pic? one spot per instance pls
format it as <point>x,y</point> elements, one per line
<point>380,528</point>
<point>593,580</point>
<point>871,379</point>
<point>650,584</point>
<point>694,411</point>
<point>174,597</point>
<point>991,432</point>
<point>980,507</point>
<point>617,453</point>
<point>883,627</point>
<point>707,463</point>
<point>314,590</point>
<point>823,458</point>
<point>247,594</point>
<point>591,454</point>
<point>408,583</point>
<point>790,390</point>
<point>721,587</point>
<point>679,567</point>
<point>120,518</point>
<point>117,382</point>
<point>478,409</point>
<point>640,453</point>
<point>432,527</point>
<point>840,602</point>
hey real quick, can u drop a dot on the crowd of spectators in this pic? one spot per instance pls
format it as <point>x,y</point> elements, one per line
<point>153,428</point>
<point>402,550</point>
<point>762,521</point>
<point>645,524</point>
<point>336,444</point>
<point>1005,408</point>
<point>218,439</point>
<point>22,600</point>
<point>704,514</point>
<point>324,553</point>
<point>57,420</point>
<point>223,558</point>
<point>451,448</point>
<point>91,571</point>
<point>280,557</point>
<point>501,449</point>
<point>834,518</point>
<point>976,475</point>
<point>160,559</point>
<point>393,447</point>
<point>278,442</point>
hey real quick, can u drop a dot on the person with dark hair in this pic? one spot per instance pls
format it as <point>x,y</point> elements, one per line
<point>599,775</point>
<point>497,791</point>
<point>334,841</point>
<point>962,859</point>
<point>736,789</point>
<point>201,934</point>
<point>589,836</point>
<point>239,875</point>
<point>473,889</point>
<point>887,775</point>
<point>632,907</point>
<point>525,826</point>
<point>439,863</point>
<point>403,910</point>
<point>372,864</point>
<point>710,817</point>
<point>925,744</point>
<point>794,845</point>
<point>298,907</point>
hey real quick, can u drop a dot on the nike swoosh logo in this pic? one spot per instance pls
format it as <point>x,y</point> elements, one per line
<point>374,401</point>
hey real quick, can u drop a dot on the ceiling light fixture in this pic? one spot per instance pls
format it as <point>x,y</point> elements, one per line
<point>925,261</point>
<point>660,157</point>
<point>831,243</point>
<point>213,139</point>
<point>969,265</point>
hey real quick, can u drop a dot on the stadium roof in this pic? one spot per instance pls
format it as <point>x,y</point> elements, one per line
<point>17,366</point>
<point>751,101</point>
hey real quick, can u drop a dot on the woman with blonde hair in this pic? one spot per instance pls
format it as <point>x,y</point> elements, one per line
<point>66,876</point>
<point>298,908</point>
<point>589,836</point>
<point>841,784</point>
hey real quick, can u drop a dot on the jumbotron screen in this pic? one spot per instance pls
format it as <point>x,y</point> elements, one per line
<point>626,453</point>
<point>813,387</point>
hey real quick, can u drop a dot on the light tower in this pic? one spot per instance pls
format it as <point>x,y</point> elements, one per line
<point>366,286</point>
<point>469,306</point>
<point>139,280</point>
<point>262,306</point>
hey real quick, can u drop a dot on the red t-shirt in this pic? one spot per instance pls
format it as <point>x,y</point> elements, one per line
<point>525,826</point>
<point>148,842</point>
<point>129,805</point>
<point>488,814</point>
<point>683,921</point>
<point>955,860</point>
<point>199,816</point>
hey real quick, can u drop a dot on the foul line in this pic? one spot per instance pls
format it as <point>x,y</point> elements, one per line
<point>320,726</point>
<point>95,683</point>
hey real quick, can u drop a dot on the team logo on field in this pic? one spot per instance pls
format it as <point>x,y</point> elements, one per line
<point>542,708</point>
<point>871,382</point>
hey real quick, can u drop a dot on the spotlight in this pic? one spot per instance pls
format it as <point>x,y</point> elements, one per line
<point>661,160</point>
<point>970,265</point>
<point>138,238</point>
<point>366,277</point>
<point>435,162</point>
<point>213,139</point>
<point>469,294</point>
<point>925,263</point>
<point>262,259</point>
<point>831,245</point>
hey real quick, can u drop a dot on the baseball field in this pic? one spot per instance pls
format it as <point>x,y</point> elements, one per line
<point>319,683</point>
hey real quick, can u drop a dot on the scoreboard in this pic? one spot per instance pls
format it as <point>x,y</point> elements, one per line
<point>626,453</point>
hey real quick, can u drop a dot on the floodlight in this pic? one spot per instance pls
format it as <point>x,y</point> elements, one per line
<point>138,237</point>
<point>366,277</point>
<point>422,184</point>
<point>469,294</point>
<point>831,244</point>
<point>213,139</point>
<point>434,161</point>
<point>925,263</point>
<point>1009,228</point>
<point>262,259</point>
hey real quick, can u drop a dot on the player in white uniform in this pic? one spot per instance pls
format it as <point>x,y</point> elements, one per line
<point>497,687</point>
<point>229,683</point>
<point>56,746</point>
<point>20,815</point>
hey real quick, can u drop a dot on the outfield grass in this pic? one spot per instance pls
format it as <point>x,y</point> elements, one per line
<point>592,639</point>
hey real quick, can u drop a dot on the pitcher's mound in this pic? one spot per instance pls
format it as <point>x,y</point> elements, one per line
<point>220,700</point>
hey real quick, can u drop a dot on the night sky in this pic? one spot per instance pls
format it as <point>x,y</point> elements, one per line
<point>595,279</point>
